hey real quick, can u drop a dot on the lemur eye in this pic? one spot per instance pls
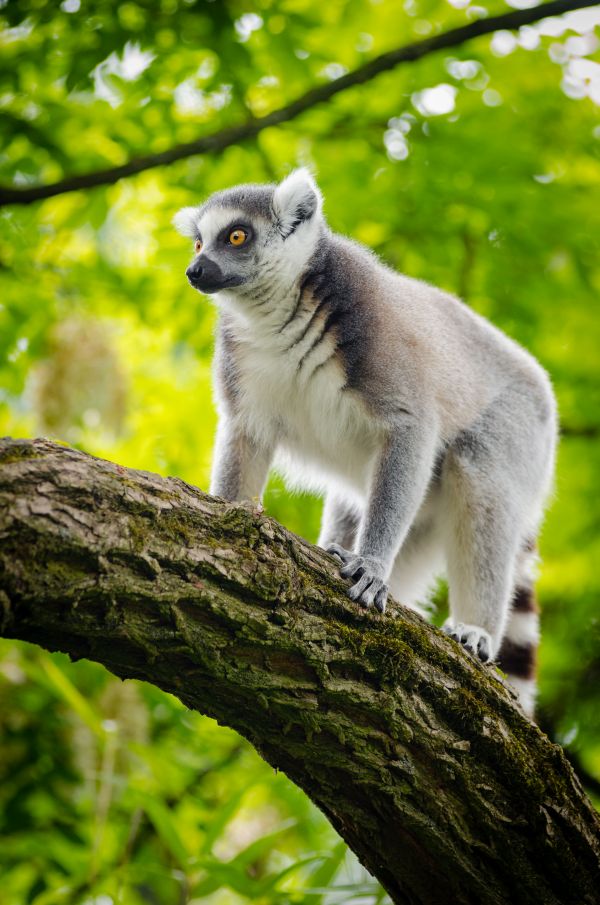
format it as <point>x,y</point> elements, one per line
<point>198,246</point>
<point>237,236</point>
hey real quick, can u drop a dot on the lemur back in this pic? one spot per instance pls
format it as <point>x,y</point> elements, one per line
<point>430,433</point>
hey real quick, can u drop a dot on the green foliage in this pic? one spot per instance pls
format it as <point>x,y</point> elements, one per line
<point>114,790</point>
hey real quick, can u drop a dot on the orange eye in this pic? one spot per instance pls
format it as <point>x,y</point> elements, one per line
<point>238,236</point>
<point>197,246</point>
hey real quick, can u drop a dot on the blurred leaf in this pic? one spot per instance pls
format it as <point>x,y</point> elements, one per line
<point>65,688</point>
<point>164,823</point>
<point>323,874</point>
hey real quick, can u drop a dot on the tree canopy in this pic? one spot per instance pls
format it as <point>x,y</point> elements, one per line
<point>475,168</point>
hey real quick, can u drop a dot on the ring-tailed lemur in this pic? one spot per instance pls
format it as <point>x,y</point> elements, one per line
<point>431,433</point>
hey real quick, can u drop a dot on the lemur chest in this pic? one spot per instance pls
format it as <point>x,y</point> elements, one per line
<point>299,401</point>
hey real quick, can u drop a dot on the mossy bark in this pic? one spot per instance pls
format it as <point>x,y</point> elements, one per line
<point>416,753</point>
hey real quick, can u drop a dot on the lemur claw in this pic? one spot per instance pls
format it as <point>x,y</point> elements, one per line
<point>369,587</point>
<point>473,637</point>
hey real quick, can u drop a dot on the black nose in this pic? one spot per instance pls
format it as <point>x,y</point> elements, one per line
<point>194,272</point>
<point>205,274</point>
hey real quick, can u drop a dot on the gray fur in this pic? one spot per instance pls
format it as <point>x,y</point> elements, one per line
<point>431,433</point>
<point>254,200</point>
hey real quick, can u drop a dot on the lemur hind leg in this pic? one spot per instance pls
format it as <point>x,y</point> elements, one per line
<point>494,481</point>
<point>340,522</point>
<point>419,562</point>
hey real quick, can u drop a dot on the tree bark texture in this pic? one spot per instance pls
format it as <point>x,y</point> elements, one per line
<point>417,753</point>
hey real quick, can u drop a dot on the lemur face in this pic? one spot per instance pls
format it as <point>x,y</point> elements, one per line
<point>251,235</point>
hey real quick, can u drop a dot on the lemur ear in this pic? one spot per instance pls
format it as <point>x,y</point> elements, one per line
<point>296,200</point>
<point>185,221</point>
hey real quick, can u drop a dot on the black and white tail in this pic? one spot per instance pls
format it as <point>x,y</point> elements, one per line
<point>517,656</point>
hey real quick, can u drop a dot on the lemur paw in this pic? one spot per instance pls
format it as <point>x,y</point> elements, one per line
<point>473,637</point>
<point>369,587</point>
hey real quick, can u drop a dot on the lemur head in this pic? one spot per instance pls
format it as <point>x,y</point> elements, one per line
<point>252,236</point>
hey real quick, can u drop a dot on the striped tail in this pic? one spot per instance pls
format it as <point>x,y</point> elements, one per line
<point>517,656</point>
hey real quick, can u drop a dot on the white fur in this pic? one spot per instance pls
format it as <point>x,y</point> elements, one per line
<point>185,221</point>
<point>523,628</point>
<point>526,692</point>
<point>471,636</point>
<point>321,436</point>
<point>292,192</point>
<point>212,222</point>
<point>280,288</point>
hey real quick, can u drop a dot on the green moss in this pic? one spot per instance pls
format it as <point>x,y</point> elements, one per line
<point>18,452</point>
<point>138,534</point>
<point>180,528</point>
<point>394,655</point>
<point>239,522</point>
<point>398,650</point>
<point>306,721</point>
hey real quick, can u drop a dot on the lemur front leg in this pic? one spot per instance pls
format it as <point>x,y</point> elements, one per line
<point>240,463</point>
<point>399,485</point>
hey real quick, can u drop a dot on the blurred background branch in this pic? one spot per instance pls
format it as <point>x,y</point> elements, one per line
<point>233,135</point>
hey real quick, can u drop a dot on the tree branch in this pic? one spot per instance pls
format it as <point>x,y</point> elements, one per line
<point>415,751</point>
<point>590,431</point>
<point>232,135</point>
